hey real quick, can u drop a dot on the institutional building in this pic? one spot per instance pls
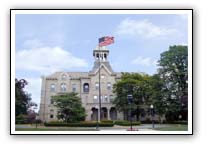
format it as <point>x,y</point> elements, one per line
<point>86,84</point>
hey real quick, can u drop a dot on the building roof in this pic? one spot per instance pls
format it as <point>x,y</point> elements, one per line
<point>105,63</point>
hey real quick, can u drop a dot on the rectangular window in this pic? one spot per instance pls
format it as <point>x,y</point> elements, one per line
<point>74,88</point>
<point>109,86</point>
<point>95,99</point>
<point>97,86</point>
<point>106,99</point>
<point>52,88</point>
<point>63,87</point>
<point>111,98</point>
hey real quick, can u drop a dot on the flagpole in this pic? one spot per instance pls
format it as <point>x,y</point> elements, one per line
<point>99,89</point>
<point>109,41</point>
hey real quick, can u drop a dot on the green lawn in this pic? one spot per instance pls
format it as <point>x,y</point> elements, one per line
<point>175,127</point>
<point>53,129</point>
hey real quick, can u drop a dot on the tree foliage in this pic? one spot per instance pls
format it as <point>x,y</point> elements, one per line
<point>69,107</point>
<point>174,71</point>
<point>135,84</point>
<point>167,90</point>
<point>23,101</point>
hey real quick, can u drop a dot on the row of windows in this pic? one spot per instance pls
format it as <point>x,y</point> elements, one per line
<point>104,99</point>
<point>63,87</point>
<point>64,77</point>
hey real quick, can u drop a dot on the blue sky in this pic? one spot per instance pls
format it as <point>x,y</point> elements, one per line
<point>46,43</point>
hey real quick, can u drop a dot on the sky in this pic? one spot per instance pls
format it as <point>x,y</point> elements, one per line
<point>46,43</point>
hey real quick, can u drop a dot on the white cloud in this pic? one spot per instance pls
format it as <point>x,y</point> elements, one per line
<point>34,88</point>
<point>144,61</point>
<point>143,28</point>
<point>47,60</point>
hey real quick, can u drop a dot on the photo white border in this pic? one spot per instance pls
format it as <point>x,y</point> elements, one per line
<point>105,11</point>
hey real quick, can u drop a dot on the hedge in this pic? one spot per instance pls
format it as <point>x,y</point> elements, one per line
<point>107,121</point>
<point>127,123</point>
<point>103,123</point>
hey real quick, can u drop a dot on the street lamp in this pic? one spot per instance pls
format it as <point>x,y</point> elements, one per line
<point>36,119</point>
<point>152,115</point>
<point>130,100</point>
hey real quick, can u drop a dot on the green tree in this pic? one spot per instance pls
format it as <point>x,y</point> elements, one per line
<point>174,71</point>
<point>158,96</point>
<point>69,107</point>
<point>23,101</point>
<point>132,83</point>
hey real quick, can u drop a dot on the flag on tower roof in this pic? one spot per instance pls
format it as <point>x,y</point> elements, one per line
<point>104,41</point>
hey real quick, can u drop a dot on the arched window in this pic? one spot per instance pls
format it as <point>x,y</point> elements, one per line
<point>52,88</point>
<point>51,113</point>
<point>63,87</point>
<point>86,87</point>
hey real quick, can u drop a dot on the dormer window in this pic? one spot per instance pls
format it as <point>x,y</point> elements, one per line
<point>63,77</point>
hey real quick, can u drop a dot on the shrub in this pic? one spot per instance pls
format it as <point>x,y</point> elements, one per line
<point>107,121</point>
<point>126,123</point>
<point>21,119</point>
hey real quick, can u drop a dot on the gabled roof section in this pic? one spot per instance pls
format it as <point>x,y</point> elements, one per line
<point>105,64</point>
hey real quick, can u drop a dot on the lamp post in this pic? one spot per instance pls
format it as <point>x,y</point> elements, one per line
<point>130,100</point>
<point>36,119</point>
<point>152,115</point>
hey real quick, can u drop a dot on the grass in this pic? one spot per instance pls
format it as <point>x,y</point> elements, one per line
<point>175,127</point>
<point>52,129</point>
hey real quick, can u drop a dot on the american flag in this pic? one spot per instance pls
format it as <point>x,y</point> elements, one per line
<point>104,41</point>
